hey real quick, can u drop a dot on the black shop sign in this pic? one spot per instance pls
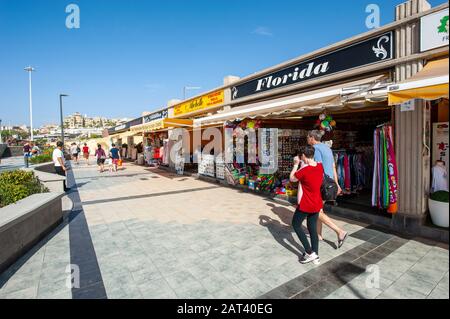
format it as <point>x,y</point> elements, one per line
<point>156,116</point>
<point>374,50</point>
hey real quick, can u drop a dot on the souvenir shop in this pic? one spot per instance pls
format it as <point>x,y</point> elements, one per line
<point>351,111</point>
<point>361,140</point>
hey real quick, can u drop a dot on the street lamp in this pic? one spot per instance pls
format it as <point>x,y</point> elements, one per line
<point>30,69</point>
<point>61,114</point>
<point>189,88</point>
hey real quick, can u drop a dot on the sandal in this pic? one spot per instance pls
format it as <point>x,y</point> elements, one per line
<point>341,241</point>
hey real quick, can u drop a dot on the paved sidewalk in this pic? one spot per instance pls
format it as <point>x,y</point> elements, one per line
<point>10,163</point>
<point>146,233</point>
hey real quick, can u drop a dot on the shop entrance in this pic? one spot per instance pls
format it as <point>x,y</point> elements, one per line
<point>350,135</point>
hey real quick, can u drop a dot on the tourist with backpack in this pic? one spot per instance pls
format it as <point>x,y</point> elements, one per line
<point>330,188</point>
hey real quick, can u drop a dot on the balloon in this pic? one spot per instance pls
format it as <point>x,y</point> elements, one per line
<point>328,128</point>
<point>322,117</point>
<point>333,123</point>
<point>329,118</point>
<point>251,124</point>
<point>325,124</point>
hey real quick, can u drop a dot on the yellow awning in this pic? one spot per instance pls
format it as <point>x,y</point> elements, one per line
<point>122,135</point>
<point>162,124</point>
<point>431,83</point>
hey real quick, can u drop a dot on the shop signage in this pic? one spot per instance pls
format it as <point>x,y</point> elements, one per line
<point>155,116</point>
<point>201,103</point>
<point>407,106</point>
<point>434,30</point>
<point>135,122</point>
<point>374,50</point>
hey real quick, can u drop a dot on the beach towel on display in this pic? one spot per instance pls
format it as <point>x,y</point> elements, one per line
<point>385,172</point>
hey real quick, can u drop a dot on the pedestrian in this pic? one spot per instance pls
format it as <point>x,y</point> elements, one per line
<point>59,163</point>
<point>323,154</point>
<point>35,150</point>
<point>101,157</point>
<point>86,153</point>
<point>74,152</point>
<point>310,178</point>
<point>26,153</point>
<point>114,154</point>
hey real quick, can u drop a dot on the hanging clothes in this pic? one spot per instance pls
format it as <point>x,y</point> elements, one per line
<point>440,176</point>
<point>385,173</point>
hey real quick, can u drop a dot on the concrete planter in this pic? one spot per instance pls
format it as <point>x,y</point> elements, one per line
<point>26,222</point>
<point>439,212</point>
<point>46,174</point>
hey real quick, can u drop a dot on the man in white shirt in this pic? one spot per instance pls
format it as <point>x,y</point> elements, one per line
<point>59,163</point>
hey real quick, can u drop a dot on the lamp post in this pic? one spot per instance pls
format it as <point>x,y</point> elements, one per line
<point>1,129</point>
<point>30,69</point>
<point>61,114</point>
<point>189,88</point>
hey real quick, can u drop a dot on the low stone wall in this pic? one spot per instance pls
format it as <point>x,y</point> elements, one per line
<point>26,222</point>
<point>46,174</point>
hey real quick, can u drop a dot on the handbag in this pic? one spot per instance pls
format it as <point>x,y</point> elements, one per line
<point>329,189</point>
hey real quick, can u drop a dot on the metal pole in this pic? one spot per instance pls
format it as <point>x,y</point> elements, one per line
<point>31,106</point>
<point>62,121</point>
<point>1,139</point>
<point>184,93</point>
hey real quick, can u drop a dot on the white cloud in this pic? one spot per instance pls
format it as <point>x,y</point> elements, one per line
<point>263,31</point>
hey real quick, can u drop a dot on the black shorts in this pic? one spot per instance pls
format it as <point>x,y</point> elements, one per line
<point>75,155</point>
<point>100,161</point>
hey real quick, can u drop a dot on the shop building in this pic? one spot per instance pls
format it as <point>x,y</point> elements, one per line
<point>376,96</point>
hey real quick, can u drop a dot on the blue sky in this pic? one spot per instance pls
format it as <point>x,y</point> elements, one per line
<point>131,56</point>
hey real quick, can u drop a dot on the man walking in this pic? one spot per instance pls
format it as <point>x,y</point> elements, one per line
<point>59,163</point>
<point>323,154</point>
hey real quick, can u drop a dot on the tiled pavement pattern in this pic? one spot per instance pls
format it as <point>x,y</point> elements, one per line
<point>145,233</point>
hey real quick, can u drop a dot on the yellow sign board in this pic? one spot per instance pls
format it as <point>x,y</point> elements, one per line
<point>203,102</point>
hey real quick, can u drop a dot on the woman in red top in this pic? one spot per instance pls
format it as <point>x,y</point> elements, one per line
<point>310,178</point>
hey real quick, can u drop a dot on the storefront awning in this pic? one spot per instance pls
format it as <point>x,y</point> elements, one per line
<point>318,99</point>
<point>161,124</point>
<point>431,83</point>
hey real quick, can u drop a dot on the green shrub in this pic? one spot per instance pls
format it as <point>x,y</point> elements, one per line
<point>42,158</point>
<point>440,196</point>
<point>18,184</point>
<point>45,157</point>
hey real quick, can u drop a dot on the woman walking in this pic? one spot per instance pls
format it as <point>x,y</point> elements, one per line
<point>101,157</point>
<point>86,153</point>
<point>310,178</point>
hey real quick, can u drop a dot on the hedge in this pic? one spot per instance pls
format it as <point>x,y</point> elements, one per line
<point>18,184</point>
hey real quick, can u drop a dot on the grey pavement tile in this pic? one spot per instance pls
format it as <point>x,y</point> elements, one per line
<point>202,270</point>
<point>193,291</point>
<point>253,287</point>
<point>145,275</point>
<point>396,293</point>
<point>439,292</point>
<point>408,282</point>
<point>26,293</point>
<point>157,289</point>
<point>222,263</point>
<point>231,292</point>
<point>343,293</point>
<point>125,292</point>
<point>181,279</point>
<point>214,282</point>
<point>273,278</point>
<point>236,274</point>
<point>425,273</point>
